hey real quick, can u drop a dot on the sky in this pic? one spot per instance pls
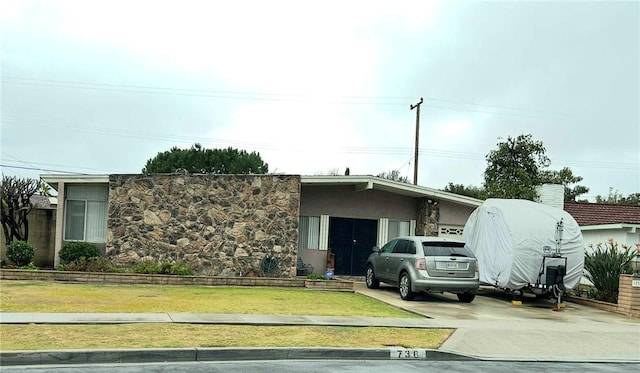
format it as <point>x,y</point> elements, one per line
<point>100,87</point>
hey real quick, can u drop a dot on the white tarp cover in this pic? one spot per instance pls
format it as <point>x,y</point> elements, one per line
<point>508,237</point>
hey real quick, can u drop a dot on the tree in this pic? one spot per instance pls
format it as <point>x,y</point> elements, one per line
<point>16,196</point>
<point>206,161</point>
<point>566,177</point>
<point>517,167</point>
<point>514,169</point>
<point>394,175</point>
<point>469,191</point>
<point>616,198</point>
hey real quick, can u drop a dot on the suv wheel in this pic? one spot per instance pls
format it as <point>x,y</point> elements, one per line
<point>370,278</point>
<point>466,297</point>
<point>405,287</point>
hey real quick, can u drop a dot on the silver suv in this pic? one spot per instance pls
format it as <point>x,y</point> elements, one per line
<point>424,264</point>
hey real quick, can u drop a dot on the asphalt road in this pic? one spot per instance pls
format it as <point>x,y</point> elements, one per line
<point>327,366</point>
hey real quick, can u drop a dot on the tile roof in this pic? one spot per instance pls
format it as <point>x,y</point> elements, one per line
<point>40,202</point>
<point>602,213</point>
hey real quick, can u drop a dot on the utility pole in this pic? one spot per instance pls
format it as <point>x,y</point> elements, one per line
<point>415,158</point>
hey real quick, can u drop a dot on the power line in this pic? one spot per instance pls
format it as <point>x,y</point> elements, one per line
<point>40,169</point>
<point>369,100</point>
<point>403,151</point>
<point>7,78</point>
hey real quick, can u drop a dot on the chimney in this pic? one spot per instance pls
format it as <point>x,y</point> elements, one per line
<point>551,194</point>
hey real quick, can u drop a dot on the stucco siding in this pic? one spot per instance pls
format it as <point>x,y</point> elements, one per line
<point>344,201</point>
<point>621,236</point>
<point>41,236</point>
<point>454,214</point>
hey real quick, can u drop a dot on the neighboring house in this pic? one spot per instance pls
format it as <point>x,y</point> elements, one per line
<point>598,221</point>
<point>224,225</point>
<point>601,221</point>
<point>42,221</point>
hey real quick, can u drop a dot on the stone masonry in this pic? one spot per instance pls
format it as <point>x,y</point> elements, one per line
<point>428,217</point>
<point>219,225</point>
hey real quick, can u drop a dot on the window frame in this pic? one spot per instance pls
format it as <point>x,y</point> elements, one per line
<point>86,214</point>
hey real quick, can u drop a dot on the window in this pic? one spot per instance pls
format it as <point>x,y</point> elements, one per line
<point>398,228</point>
<point>446,249</point>
<point>309,232</point>
<point>86,213</point>
<point>388,248</point>
<point>402,247</point>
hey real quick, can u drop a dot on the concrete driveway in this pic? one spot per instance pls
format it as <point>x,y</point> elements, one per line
<point>491,327</point>
<point>490,304</point>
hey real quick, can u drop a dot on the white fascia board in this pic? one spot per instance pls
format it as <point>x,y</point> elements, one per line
<point>631,227</point>
<point>378,183</point>
<point>54,179</point>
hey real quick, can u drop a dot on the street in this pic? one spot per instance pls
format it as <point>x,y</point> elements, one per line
<point>325,366</point>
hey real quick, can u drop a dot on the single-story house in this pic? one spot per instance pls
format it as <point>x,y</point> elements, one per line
<point>226,225</point>
<point>598,221</point>
<point>42,221</point>
<point>601,221</point>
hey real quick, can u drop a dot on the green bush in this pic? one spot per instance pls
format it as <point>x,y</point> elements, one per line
<point>93,264</point>
<point>603,268</point>
<point>73,251</point>
<point>163,268</point>
<point>20,253</point>
<point>317,277</point>
<point>30,266</point>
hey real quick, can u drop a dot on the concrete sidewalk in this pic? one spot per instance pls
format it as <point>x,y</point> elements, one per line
<point>214,318</point>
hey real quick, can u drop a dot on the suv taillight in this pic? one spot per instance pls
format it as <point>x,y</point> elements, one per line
<point>420,264</point>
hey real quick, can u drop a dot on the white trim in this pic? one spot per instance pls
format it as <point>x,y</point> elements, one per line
<point>631,227</point>
<point>360,183</point>
<point>383,231</point>
<point>55,179</point>
<point>324,232</point>
<point>412,227</point>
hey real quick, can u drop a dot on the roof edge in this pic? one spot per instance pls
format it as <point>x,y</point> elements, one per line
<point>378,183</point>
<point>595,227</point>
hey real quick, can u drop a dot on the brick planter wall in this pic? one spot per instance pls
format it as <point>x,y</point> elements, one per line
<point>628,299</point>
<point>629,296</point>
<point>134,278</point>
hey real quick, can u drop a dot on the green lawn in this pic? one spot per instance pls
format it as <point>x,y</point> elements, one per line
<point>38,296</point>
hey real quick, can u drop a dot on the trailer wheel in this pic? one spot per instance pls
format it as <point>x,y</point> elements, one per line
<point>545,295</point>
<point>466,297</point>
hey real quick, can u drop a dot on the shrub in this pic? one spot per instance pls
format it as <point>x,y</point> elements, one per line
<point>30,266</point>
<point>73,251</point>
<point>163,268</point>
<point>317,277</point>
<point>604,266</point>
<point>93,264</point>
<point>146,267</point>
<point>20,253</point>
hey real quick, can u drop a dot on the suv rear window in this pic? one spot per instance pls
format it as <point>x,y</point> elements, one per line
<point>446,249</point>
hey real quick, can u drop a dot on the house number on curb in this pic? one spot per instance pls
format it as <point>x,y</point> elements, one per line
<point>407,353</point>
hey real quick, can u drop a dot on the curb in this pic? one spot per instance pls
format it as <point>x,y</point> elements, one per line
<point>113,356</point>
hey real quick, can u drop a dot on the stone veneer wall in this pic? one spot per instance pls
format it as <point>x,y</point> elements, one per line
<point>427,219</point>
<point>220,225</point>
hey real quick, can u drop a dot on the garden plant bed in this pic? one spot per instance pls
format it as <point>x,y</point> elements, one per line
<point>135,278</point>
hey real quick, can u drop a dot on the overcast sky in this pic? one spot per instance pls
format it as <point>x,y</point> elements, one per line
<point>100,87</point>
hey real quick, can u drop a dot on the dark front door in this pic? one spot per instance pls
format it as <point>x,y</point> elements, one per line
<point>351,241</point>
